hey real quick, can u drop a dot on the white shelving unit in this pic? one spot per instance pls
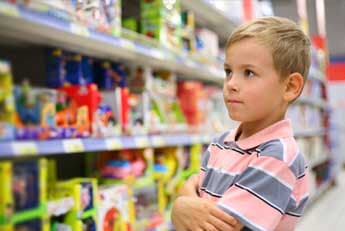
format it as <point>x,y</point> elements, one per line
<point>207,15</point>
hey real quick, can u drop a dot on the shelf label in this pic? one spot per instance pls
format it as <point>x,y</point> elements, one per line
<point>141,142</point>
<point>127,44</point>
<point>79,30</point>
<point>158,141</point>
<point>9,10</point>
<point>25,148</point>
<point>157,54</point>
<point>195,139</point>
<point>72,146</point>
<point>113,144</point>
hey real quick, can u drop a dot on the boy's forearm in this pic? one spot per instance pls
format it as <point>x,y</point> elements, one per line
<point>190,188</point>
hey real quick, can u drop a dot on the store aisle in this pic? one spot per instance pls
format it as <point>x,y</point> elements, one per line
<point>329,211</point>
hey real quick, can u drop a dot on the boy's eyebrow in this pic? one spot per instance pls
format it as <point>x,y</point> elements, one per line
<point>226,65</point>
<point>242,66</point>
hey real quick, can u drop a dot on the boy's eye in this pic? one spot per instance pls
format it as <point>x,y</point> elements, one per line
<point>228,72</point>
<point>249,73</point>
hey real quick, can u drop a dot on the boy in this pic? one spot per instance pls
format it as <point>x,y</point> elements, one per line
<point>253,178</point>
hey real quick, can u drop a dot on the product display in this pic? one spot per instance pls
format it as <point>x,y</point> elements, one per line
<point>99,130</point>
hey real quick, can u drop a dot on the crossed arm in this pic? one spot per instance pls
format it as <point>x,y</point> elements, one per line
<point>192,213</point>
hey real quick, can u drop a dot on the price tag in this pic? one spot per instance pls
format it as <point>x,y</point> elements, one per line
<point>72,146</point>
<point>141,142</point>
<point>195,139</point>
<point>79,30</point>
<point>127,44</point>
<point>25,148</point>
<point>114,144</point>
<point>158,141</point>
<point>9,10</point>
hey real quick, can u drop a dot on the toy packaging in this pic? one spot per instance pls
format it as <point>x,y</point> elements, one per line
<point>165,114</point>
<point>35,112</point>
<point>79,103</point>
<point>114,208</point>
<point>187,32</point>
<point>7,104</point>
<point>207,43</point>
<point>56,68</point>
<point>23,194</point>
<point>84,192</point>
<point>161,20</point>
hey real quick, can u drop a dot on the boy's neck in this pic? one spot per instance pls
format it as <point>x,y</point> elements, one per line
<point>248,129</point>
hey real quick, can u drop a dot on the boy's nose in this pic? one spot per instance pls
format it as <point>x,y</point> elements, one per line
<point>232,83</point>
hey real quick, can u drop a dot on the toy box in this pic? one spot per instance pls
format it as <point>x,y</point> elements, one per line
<point>56,68</point>
<point>188,32</point>
<point>114,207</point>
<point>7,104</point>
<point>207,43</point>
<point>112,12</point>
<point>84,192</point>
<point>161,20</point>
<point>80,103</point>
<point>191,97</point>
<point>165,114</point>
<point>35,112</point>
<point>23,191</point>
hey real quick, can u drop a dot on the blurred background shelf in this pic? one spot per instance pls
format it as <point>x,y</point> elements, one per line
<point>209,16</point>
<point>20,24</point>
<point>64,146</point>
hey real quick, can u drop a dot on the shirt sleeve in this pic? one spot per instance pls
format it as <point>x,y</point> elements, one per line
<point>261,194</point>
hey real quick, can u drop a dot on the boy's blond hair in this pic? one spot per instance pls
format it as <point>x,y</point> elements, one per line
<point>290,46</point>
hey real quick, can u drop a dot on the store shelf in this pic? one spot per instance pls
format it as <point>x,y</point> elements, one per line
<point>209,16</point>
<point>316,74</point>
<point>318,161</point>
<point>310,132</point>
<point>25,25</point>
<point>313,102</point>
<point>64,146</point>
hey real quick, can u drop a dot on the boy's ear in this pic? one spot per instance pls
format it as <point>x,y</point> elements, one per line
<point>294,85</point>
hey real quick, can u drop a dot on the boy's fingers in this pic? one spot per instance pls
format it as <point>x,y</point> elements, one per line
<point>210,227</point>
<point>220,214</point>
<point>220,224</point>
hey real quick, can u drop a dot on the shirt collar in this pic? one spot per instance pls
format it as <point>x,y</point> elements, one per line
<point>280,129</point>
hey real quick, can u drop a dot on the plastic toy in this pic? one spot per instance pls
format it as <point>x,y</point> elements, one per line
<point>7,104</point>
<point>122,164</point>
<point>23,193</point>
<point>84,192</point>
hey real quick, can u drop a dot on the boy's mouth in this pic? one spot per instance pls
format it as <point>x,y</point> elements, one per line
<point>233,101</point>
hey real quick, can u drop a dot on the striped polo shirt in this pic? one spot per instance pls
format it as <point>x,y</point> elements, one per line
<point>261,180</point>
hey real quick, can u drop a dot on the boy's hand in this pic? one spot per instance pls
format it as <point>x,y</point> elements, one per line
<point>197,214</point>
<point>190,187</point>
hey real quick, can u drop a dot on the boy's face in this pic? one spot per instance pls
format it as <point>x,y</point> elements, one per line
<point>253,90</point>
